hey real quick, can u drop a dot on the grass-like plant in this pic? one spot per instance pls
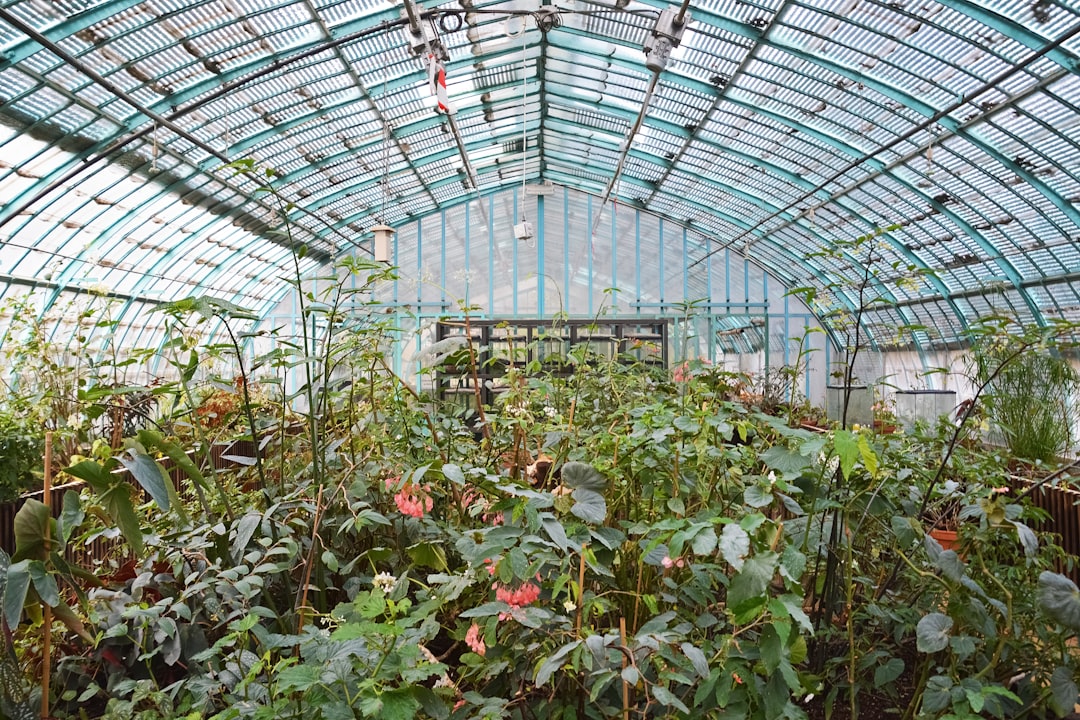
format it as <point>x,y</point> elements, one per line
<point>1031,401</point>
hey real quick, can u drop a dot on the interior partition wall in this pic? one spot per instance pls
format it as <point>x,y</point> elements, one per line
<point>724,309</point>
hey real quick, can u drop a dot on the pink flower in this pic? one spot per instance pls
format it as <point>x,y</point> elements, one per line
<point>667,562</point>
<point>474,640</point>
<point>414,501</point>
<point>682,372</point>
<point>519,597</point>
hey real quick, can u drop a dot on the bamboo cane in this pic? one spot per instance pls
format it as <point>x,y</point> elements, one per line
<point>46,649</point>
<point>625,685</point>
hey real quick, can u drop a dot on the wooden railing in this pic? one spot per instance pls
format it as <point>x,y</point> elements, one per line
<point>1062,504</point>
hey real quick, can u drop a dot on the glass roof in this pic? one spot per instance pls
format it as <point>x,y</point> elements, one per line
<point>775,127</point>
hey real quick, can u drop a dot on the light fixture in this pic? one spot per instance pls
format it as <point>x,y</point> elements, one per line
<point>384,235</point>
<point>523,230</point>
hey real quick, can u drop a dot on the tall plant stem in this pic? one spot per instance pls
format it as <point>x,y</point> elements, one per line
<point>249,415</point>
<point>302,603</point>
<point>309,378</point>
<point>476,379</point>
<point>204,445</point>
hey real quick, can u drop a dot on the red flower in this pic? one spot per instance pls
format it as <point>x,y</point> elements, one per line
<point>475,640</point>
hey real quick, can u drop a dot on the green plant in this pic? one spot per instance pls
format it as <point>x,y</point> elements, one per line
<point>1032,399</point>
<point>21,449</point>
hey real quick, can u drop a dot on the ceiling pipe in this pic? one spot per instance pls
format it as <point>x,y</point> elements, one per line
<point>665,37</point>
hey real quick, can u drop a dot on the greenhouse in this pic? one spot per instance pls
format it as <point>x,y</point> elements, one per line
<point>554,360</point>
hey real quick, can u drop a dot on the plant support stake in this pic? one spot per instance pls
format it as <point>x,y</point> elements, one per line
<point>46,624</point>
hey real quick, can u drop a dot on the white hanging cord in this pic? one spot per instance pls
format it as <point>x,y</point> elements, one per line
<point>524,117</point>
<point>929,160</point>
<point>386,162</point>
<point>153,161</point>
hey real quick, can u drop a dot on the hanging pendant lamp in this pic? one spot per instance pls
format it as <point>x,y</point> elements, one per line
<point>384,236</point>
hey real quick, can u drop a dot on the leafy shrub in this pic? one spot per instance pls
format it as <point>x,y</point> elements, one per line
<point>20,458</point>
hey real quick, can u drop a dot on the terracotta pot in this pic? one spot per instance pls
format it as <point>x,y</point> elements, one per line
<point>946,538</point>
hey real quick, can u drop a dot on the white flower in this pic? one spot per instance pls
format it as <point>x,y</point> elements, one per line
<point>570,606</point>
<point>550,411</point>
<point>771,477</point>
<point>384,581</point>
<point>99,289</point>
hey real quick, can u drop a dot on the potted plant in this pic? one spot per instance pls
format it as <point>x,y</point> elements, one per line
<point>885,420</point>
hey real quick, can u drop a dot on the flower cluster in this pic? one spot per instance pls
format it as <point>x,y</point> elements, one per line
<point>412,499</point>
<point>384,581</point>
<point>519,597</point>
<point>475,640</point>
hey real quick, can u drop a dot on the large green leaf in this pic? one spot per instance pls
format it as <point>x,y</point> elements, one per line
<point>399,704</point>
<point>44,583</point>
<point>298,678</point>
<point>784,460</point>
<point>1060,599</point>
<point>666,697</point>
<point>555,531</point>
<point>589,505</point>
<point>847,449</point>
<point>705,541</point>
<point>887,673</point>
<point>245,528</point>
<point>749,586</point>
<point>554,662</point>
<point>932,632</point>
<point>94,474</point>
<point>154,439</point>
<point>71,516</point>
<point>425,554</point>
<point>697,658</point>
<point>148,474</point>
<point>18,584</point>
<point>30,524</point>
<point>117,502</point>
<point>1064,693</point>
<point>734,545</point>
<point>582,475</point>
<point>772,648</point>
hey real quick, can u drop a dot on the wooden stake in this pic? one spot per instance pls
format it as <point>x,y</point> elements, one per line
<point>625,685</point>
<point>581,591</point>
<point>46,649</point>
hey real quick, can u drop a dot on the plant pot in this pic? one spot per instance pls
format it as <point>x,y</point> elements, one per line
<point>946,538</point>
<point>885,428</point>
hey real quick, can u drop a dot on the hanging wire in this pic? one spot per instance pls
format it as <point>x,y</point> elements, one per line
<point>153,160</point>
<point>524,115</point>
<point>386,163</point>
